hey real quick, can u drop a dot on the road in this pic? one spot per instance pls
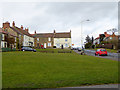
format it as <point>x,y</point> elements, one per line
<point>113,56</point>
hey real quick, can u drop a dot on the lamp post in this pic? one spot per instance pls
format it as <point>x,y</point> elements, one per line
<point>81,30</point>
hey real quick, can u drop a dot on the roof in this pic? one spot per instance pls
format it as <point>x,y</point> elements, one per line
<point>1,31</point>
<point>15,30</point>
<point>24,32</point>
<point>107,35</point>
<point>44,35</point>
<point>63,35</point>
<point>55,35</point>
<point>97,38</point>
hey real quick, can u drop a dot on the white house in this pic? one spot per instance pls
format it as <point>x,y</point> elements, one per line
<point>62,39</point>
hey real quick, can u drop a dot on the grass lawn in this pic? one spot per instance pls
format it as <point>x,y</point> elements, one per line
<point>54,50</point>
<point>53,70</point>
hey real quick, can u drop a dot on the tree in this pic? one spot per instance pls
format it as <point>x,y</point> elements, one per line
<point>92,39</point>
<point>102,36</point>
<point>88,39</point>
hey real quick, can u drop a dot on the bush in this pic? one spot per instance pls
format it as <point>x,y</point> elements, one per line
<point>87,45</point>
<point>54,46</point>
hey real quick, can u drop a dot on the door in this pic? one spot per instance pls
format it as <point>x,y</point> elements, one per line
<point>44,45</point>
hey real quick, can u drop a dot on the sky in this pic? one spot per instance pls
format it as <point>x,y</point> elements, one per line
<point>44,17</point>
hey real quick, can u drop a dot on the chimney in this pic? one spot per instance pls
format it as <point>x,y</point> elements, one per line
<point>54,31</point>
<point>6,25</point>
<point>22,27</point>
<point>99,35</point>
<point>13,24</point>
<point>26,29</point>
<point>105,32</point>
<point>35,31</point>
<point>70,31</point>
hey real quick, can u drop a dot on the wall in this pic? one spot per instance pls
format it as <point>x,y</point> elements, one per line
<point>58,42</point>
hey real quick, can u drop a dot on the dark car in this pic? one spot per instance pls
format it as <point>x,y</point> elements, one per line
<point>100,52</point>
<point>27,49</point>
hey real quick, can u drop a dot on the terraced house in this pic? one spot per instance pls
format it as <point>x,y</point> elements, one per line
<point>53,40</point>
<point>17,37</point>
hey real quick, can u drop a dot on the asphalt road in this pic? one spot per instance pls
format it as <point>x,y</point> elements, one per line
<point>112,56</point>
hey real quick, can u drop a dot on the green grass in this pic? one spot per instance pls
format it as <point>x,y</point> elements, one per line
<point>53,70</point>
<point>55,50</point>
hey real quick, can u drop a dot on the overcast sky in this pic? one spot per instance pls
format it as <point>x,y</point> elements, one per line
<point>62,16</point>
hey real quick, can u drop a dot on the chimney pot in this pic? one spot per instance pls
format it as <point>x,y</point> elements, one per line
<point>21,26</point>
<point>13,24</point>
<point>6,25</point>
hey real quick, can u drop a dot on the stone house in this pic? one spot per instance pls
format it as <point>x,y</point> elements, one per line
<point>45,39</point>
<point>11,35</point>
<point>3,39</point>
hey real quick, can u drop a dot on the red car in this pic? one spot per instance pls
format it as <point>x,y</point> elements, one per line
<point>100,52</point>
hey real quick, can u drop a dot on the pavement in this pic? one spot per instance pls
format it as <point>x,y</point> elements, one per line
<point>91,87</point>
<point>98,86</point>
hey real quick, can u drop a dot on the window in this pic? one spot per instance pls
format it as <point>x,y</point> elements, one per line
<point>37,39</point>
<point>110,37</point>
<point>66,40</point>
<point>58,45</point>
<point>49,44</point>
<point>49,39</point>
<point>15,39</point>
<point>2,36</point>
<point>66,45</point>
<point>119,38</point>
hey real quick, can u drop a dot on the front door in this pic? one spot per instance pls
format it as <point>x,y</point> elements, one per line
<point>44,45</point>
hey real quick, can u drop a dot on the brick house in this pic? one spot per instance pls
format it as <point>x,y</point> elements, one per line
<point>45,39</point>
<point>50,40</point>
<point>97,40</point>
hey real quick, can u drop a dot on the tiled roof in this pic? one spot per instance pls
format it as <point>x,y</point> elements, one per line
<point>44,35</point>
<point>63,35</point>
<point>13,28</point>
<point>24,32</point>
<point>1,31</point>
<point>55,35</point>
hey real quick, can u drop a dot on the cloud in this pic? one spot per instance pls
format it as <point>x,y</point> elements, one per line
<point>63,16</point>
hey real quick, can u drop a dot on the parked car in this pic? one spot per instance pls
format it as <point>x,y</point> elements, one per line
<point>73,48</point>
<point>100,52</point>
<point>27,49</point>
<point>79,49</point>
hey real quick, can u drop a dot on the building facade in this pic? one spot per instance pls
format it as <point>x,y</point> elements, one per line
<point>50,40</point>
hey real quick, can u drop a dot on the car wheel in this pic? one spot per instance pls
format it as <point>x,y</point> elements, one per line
<point>95,54</point>
<point>98,54</point>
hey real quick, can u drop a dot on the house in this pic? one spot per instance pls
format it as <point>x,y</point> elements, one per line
<point>97,40</point>
<point>62,39</point>
<point>45,39</point>
<point>50,40</point>
<point>11,37</point>
<point>3,40</point>
<point>21,37</point>
<point>27,39</point>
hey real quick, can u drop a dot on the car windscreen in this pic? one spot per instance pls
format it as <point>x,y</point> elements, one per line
<point>103,50</point>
